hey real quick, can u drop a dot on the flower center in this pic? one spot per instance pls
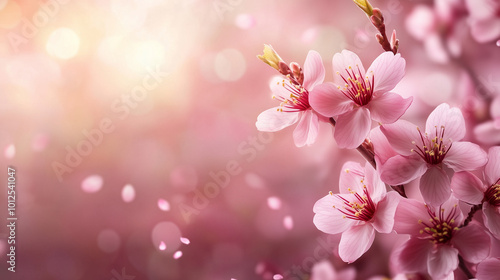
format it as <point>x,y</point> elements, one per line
<point>432,150</point>
<point>361,208</point>
<point>492,195</point>
<point>439,229</point>
<point>298,100</point>
<point>357,88</point>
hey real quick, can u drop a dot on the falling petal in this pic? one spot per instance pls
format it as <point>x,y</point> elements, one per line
<point>177,255</point>
<point>128,193</point>
<point>274,202</point>
<point>92,184</point>
<point>277,277</point>
<point>163,204</point>
<point>10,151</point>
<point>185,240</point>
<point>162,246</point>
<point>288,222</point>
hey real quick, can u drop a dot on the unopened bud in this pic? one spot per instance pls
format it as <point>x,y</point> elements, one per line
<point>377,18</point>
<point>380,38</point>
<point>365,6</point>
<point>271,57</point>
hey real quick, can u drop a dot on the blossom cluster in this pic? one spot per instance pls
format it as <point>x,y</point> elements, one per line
<point>456,178</point>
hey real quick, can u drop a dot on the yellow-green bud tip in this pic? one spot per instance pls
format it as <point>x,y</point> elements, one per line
<point>365,6</point>
<point>270,57</point>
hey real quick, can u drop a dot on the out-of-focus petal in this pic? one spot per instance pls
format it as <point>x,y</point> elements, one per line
<point>467,187</point>
<point>272,120</point>
<point>442,262</point>
<point>491,217</point>
<point>487,133</point>
<point>488,269</point>
<point>387,70</point>
<point>420,22</point>
<point>472,242</point>
<point>344,60</point>
<point>485,31</point>
<point>329,101</point>
<point>435,186</point>
<point>352,128</point>
<point>328,219</point>
<point>492,168</point>
<point>384,216</point>
<point>401,170</point>
<point>401,135</point>
<point>323,270</point>
<point>355,242</point>
<point>307,129</point>
<point>465,156</point>
<point>314,71</point>
<point>388,107</point>
<point>450,118</point>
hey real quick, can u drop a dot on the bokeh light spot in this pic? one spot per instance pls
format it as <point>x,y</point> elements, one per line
<point>10,151</point>
<point>245,21</point>
<point>128,193</point>
<point>145,54</point>
<point>162,246</point>
<point>108,241</point>
<point>92,184</point>
<point>230,65</point>
<point>288,222</point>
<point>163,204</point>
<point>274,202</point>
<point>185,240</point>
<point>168,233</point>
<point>177,255</point>
<point>63,43</point>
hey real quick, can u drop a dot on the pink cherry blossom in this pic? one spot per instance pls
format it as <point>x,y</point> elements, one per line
<point>432,155</point>
<point>489,131</point>
<point>469,188</point>
<point>484,19</point>
<point>360,96</point>
<point>436,239</point>
<point>361,208</point>
<point>294,106</point>
<point>488,269</point>
<point>324,270</point>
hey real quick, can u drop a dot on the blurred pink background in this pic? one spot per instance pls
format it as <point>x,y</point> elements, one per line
<point>131,124</point>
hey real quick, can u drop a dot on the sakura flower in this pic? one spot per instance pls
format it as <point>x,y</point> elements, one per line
<point>489,131</point>
<point>293,94</point>
<point>469,188</point>
<point>488,269</point>
<point>324,270</point>
<point>432,155</point>
<point>359,96</point>
<point>361,208</point>
<point>436,238</point>
<point>484,19</point>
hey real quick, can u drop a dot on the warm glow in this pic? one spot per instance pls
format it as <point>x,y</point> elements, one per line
<point>63,43</point>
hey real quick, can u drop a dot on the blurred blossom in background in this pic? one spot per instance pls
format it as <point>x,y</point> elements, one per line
<point>131,126</point>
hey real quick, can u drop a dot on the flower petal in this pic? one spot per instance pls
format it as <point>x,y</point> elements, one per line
<point>450,118</point>
<point>383,149</point>
<point>329,101</point>
<point>350,178</point>
<point>442,262</point>
<point>401,170</point>
<point>383,221</point>
<point>412,256</point>
<point>488,269</point>
<point>314,71</point>
<point>492,168</point>
<point>402,135</point>
<point>375,186</point>
<point>435,186</point>
<point>492,219</point>
<point>352,128</point>
<point>388,69</point>
<point>344,60</point>
<point>388,107</point>
<point>328,219</point>
<point>472,242</point>
<point>306,131</point>
<point>467,187</point>
<point>355,242</point>
<point>408,214</point>
<point>273,120</point>
<point>465,156</point>
<point>487,133</point>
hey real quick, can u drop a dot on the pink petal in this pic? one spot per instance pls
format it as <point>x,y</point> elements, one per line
<point>352,128</point>
<point>491,217</point>
<point>350,178</point>
<point>383,149</point>
<point>485,31</point>
<point>355,242</point>
<point>328,219</point>
<point>481,9</point>
<point>495,107</point>
<point>323,270</point>
<point>401,170</point>
<point>435,186</point>
<point>467,187</point>
<point>465,156</point>
<point>408,213</point>
<point>488,269</point>
<point>376,188</point>
<point>492,168</point>
<point>472,242</point>
<point>412,256</point>
<point>420,22</point>
<point>384,216</point>
<point>388,69</point>
<point>273,120</point>
<point>388,107</point>
<point>450,118</point>
<point>277,86</point>
<point>487,133</point>
<point>306,131</point>
<point>401,135</point>
<point>442,262</point>
<point>329,101</point>
<point>314,71</point>
<point>342,61</point>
